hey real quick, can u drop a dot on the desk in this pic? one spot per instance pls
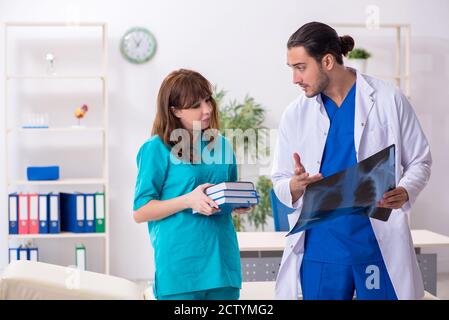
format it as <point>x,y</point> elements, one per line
<point>261,254</point>
<point>275,241</point>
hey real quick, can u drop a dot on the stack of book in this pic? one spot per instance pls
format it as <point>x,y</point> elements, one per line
<point>232,195</point>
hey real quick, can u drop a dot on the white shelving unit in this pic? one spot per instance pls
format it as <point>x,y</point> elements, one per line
<point>401,75</point>
<point>102,181</point>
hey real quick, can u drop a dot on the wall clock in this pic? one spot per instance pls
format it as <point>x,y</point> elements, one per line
<point>138,45</point>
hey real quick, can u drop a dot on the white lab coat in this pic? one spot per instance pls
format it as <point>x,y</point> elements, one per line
<point>383,116</point>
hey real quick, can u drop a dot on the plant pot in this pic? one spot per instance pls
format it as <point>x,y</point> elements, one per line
<point>358,64</point>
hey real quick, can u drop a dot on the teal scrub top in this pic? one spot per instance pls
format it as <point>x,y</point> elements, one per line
<point>192,252</point>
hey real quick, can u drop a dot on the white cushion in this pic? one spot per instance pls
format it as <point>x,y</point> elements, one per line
<point>257,290</point>
<point>24,280</point>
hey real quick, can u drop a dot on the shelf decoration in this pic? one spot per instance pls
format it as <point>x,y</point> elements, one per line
<point>35,121</point>
<point>80,113</point>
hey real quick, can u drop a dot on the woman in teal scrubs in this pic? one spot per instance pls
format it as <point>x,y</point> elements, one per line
<point>196,254</point>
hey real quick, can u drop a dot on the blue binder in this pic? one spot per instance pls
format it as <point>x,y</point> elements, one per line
<point>73,213</point>
<point>54,213</point>
<point>13,213</point>
<point>90,213</point>
<point>43,213</point>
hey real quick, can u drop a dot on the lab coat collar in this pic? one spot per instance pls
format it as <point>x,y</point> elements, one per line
<point>361,86</point>
<point>364,102</point>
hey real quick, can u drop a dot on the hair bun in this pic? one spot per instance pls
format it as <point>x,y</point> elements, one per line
<point>347,44</point>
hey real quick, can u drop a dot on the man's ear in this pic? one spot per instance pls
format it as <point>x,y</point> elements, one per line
<point>328,62</point>
<point>176,112</point>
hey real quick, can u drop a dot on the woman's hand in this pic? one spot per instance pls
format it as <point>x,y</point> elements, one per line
<point>243,210</point>
<point>199,201</point>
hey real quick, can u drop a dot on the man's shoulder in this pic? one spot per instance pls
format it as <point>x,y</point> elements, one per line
<point>382,87</point>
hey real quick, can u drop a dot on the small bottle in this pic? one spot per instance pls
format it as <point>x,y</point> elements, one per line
<point>50,58</point>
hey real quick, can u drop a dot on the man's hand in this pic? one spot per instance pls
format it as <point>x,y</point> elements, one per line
<point>301,179</point>
<point>394,199</point>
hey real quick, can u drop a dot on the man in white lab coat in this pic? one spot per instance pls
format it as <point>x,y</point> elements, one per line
<point>342,118</point>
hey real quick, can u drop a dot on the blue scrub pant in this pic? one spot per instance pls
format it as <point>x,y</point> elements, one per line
<point>225,293</point>
<point>328,281</point>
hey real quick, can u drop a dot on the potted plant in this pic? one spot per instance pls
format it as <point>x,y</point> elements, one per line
<point>358,58</point>
<point>258,217</point>
<point>245,115</point>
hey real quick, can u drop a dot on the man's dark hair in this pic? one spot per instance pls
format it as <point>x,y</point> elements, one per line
<point>320,39</point>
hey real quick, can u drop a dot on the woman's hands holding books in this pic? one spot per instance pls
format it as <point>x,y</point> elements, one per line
<point>199,201</point>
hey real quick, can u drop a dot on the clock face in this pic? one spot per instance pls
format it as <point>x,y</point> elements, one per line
<point>138,45</point>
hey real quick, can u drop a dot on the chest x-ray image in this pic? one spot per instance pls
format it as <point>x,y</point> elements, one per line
<point>358,187</point>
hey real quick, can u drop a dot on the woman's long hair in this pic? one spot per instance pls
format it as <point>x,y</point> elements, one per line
<point>181,89</point>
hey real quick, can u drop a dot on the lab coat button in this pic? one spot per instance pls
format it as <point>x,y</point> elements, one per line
<point>318,162</point>
<point>363,124</point>
<point>325,133</point>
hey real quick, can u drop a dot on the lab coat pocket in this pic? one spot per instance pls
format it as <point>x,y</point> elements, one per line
<point>378,138</point>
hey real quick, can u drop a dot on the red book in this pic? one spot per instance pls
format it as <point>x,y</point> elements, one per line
<point>24,206</point>
<point>33,213</point>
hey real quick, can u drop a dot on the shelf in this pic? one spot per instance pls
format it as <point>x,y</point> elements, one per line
<point>57,77</point>
<point>55,24</point>
<point>58,182</point>
<point>384,76</point>
<point>62,235</point>
<point>54,130</point>
<point>402,35</point>
<point>97,75</point>
<point>365,25</point>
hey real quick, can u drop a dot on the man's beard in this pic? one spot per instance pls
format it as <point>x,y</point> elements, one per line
<point>323,82</point>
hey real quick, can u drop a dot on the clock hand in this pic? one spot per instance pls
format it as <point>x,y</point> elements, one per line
<point>137,43</point>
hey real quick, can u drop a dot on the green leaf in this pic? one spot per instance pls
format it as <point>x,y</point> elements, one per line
<point>359,53</point>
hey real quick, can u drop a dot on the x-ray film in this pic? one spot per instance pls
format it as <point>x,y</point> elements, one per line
<point>358,187</point>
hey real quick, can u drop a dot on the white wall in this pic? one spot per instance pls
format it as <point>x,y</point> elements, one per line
<point>239,45</point>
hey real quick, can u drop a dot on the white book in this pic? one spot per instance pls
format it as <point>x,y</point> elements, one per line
<point>230,200</point>
<point>232,193</point>
<point>239,185</point>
